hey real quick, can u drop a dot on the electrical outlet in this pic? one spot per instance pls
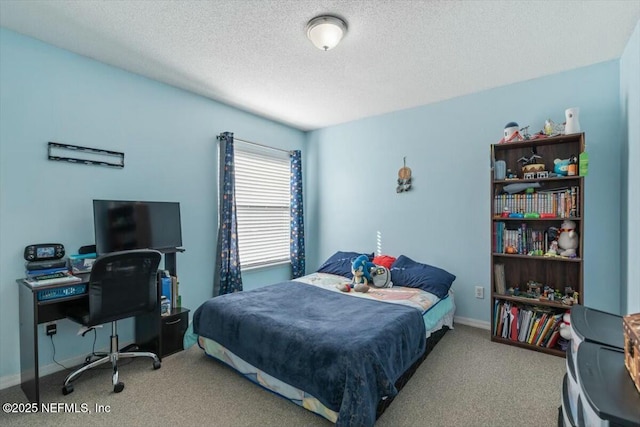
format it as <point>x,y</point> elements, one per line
<point>479,292</point>
<point>51,328</point>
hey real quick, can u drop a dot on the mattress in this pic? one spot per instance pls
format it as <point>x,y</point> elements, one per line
<point>436,313</point>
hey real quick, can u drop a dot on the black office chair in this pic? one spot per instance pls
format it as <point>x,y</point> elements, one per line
<point>122,284</point>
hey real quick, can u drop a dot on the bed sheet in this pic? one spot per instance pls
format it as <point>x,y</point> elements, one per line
<point>410,297</point>
<point>435,314</point>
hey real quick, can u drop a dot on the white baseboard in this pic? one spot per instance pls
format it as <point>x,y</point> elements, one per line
<point>472,322</point>
<point>11,380</point>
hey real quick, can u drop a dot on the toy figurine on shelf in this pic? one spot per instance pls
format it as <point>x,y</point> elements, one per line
<point>553,249</point>
<point>511,133</point>
<point>534,288</point>
<point>547,293</point>
<point>531,166</point>
<point>553,129</point>
<point>570,296</point>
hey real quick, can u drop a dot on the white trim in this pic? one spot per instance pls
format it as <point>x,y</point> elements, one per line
<point>72,362</point>
<point>472,322</point>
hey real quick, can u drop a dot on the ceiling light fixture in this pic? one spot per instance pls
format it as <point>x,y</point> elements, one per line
<point>326,31</point>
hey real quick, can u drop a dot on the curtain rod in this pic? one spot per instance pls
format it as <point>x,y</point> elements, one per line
<point>259,145</point>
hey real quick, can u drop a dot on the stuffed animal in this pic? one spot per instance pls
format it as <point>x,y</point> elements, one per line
<point>565,326</point>
<point>361,268</point>
<point>568,239</point>
<point>561,166</point>
<point>381,277</point>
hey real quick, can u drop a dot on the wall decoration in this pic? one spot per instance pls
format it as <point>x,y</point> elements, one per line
<point>404,178</point>
<point>85,155</point>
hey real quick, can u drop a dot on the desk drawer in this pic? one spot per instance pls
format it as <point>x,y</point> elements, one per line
<point>173,328</point>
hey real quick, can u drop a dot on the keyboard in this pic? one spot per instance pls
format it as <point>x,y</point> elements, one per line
<point>52,279</point>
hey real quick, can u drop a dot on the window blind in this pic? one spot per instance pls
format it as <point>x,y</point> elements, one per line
<point>262,206</point>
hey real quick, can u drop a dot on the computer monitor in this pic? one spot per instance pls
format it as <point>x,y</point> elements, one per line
<point>122,225</point>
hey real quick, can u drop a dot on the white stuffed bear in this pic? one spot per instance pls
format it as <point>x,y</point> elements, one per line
<point>565,326</point>
<point>568,239</point>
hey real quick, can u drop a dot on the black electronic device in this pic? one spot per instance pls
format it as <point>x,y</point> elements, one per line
<point>46,264</point>
<point>88,249</point>
<point>123,225</point>
<point>43,251</point>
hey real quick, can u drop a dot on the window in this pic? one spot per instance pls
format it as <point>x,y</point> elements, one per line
<point>262,205</point>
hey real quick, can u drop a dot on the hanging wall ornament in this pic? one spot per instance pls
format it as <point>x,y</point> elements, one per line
<point>404,178</point>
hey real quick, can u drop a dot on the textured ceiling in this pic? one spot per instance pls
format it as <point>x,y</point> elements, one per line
<point>396,55</point>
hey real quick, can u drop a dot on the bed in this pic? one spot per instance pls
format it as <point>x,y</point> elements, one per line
<point>343,356</point>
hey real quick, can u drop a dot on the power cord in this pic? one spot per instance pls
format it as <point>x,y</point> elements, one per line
<point>54,355</point>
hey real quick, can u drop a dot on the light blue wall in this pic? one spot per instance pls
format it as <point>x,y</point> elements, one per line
<point>630,109</point>
<point>444,219</point>
<point>168,137</point>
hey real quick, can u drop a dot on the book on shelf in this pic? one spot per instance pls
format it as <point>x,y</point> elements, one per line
<point>52,279</point>
<point>541,325</point>
<point>496,315</point>
<point>43,272</point>
<point>174,292</point>
<point>554,339</point>
<point>506,320</point>
<point>514,323</point>
<point>534,328</point>
<point>524,327</point>
<point>500,284</point>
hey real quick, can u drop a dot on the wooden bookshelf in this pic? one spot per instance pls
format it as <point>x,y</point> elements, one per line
<point>560,198</point>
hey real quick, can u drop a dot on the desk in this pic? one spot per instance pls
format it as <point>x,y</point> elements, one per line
<point>34,313</point>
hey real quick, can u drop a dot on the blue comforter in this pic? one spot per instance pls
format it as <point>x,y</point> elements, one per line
<point>347,352</point>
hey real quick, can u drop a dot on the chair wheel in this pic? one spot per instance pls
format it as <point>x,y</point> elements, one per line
<point>118,387</point>
<point>156,365</point>
<point>67,389</point>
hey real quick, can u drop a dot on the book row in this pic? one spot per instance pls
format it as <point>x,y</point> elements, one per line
<point>535,326</point>
<point>522,240</point>
<point>170,289</point>
<point>561,203</point>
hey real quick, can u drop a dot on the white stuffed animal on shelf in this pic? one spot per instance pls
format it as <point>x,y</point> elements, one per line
<point>568,239</point>
<point>565,326</point>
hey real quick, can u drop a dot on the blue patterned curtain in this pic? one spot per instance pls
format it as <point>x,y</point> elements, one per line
<point>227,276</point>
<point>297,219</point>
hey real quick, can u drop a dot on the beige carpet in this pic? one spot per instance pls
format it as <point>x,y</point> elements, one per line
<point>466,381</point>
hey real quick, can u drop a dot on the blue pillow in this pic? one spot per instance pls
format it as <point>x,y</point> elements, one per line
<point>340,263</point>
<point>407,272</point>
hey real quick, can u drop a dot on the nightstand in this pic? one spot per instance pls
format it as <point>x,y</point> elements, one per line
<point>173,327</point>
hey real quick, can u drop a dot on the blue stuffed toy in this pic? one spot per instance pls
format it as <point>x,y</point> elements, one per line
<point>362,268</point>
<point>561,166</point>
